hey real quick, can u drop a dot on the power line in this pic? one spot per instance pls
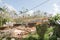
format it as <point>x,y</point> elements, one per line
<point>38,5</point>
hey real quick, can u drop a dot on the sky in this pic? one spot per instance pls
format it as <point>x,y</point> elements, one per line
<point>52,6</point>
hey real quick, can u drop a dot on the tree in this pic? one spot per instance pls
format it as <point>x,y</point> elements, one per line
<point>4,16</point>
<point>53,22</point>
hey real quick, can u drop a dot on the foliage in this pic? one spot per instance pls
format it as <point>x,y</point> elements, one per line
<point>53,19</point>
<point>47,34</point>
<point>32,37</point>
<point>41,30</point>
<point>42,33</point>
<point>2,21</point>
<point>4,16</point>
<point>53,22</point>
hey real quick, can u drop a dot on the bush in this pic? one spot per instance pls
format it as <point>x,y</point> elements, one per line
<point>41,30</point>
<point>48,33</point>
<point>53,37</point>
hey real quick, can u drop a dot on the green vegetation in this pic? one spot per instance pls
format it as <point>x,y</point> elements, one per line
<point>44,31</point>
<point>4,16</point>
